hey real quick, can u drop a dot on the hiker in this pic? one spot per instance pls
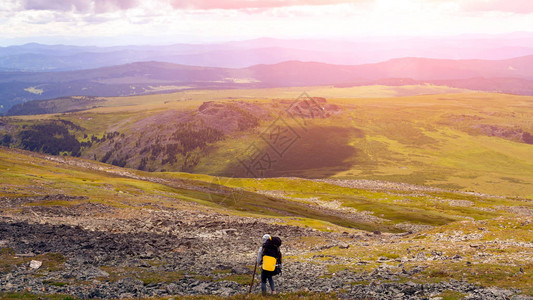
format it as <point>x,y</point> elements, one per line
<point>271,262</point>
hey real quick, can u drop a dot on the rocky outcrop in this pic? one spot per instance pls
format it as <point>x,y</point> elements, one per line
<point>187,252</point>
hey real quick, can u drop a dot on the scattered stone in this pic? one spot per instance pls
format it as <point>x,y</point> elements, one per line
<point>30,254</point>
<point>344,246</point>
<point>186,248</point>
<point>35,264</point>
<point>240,270</point>
<point>521,297</point>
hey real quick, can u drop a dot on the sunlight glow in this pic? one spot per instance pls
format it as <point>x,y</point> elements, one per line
<point>163,21</point>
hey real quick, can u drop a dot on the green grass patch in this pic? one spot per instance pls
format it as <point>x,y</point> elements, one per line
<point>147,276</point>
<point>389,255</point>
<point>500,275</point>
<point>55,283</point>
<point>239,278</point>
<point>452,295</point>
<point>50,261</point>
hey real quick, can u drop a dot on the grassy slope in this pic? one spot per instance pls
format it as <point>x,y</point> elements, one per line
<point>376,91</point>
<point>413,139</point>
<point>490,236</point>
<point>419,140</point>
<point>27,174</point>
<point>494,252</point>
<point>24,174</point>
<point>428,139</point>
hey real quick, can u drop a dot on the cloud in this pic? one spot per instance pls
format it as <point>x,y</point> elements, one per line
<point>104,6</point>
<point>82,6</point>
<point>473,6</point>
<point>250,4</point>
<point>514,6</point>
<point>112,5</point>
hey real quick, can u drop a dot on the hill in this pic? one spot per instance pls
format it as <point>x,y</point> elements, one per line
<point>467,141</point>
<point>239,54</point>
<point>303,73</point>
<point>97,230</point>
<point>512,75</point>
<point>420,195</point>
<point>501,85</point>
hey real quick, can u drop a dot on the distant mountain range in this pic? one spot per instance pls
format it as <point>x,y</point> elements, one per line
<point>240,54</point>
<point>510,76</point>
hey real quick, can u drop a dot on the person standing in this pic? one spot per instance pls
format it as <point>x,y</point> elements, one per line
<point>270,263</point>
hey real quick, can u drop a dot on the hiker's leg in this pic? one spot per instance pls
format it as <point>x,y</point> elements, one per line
<point>263,282</point>
<point>271,282</point>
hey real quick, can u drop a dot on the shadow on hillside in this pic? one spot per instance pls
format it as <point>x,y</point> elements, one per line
<point>318,152</point>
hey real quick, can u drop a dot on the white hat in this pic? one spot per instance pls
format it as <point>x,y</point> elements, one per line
<point>266,237</point>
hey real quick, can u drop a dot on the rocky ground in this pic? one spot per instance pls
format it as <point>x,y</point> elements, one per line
<point>95,251</point>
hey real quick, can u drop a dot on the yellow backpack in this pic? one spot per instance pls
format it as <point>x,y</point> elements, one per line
<point>269,263</point>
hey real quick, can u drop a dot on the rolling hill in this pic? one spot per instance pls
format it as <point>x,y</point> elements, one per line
<point>510,76</point>
<point>240,54</point>
<point>412,188</point>
<point>97,230</point>
<point>301,73</point>
<point>468,141</point>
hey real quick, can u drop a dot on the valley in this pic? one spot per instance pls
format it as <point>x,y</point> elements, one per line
<point>469,141</point>
<point>378,196</point>
<point>19,88</point>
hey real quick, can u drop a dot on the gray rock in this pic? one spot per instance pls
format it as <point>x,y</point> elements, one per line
<point>126,296</point>
<point>344,246</point>
<point>201,288</point>
<point>95,272</point>
<point>521,297</point>
<point>35,264</point>
<point>240,270</point>
<point>172,288</point>
<point>130,285</point>
<point>225,292</point>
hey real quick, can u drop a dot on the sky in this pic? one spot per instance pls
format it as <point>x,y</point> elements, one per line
<point>115,22</point>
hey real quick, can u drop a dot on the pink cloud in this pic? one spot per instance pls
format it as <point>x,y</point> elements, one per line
<point>106,5</point>
<point>83,6</point>
<point>514,6</point>
<point>77,5</point>
<point>251,4</point>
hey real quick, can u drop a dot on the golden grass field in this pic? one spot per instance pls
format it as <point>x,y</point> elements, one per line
<point>432,139</point>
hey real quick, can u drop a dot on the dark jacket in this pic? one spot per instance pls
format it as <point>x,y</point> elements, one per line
<point>271,248</point>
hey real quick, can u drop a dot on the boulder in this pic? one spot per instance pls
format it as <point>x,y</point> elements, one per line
<point>35,264</point>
